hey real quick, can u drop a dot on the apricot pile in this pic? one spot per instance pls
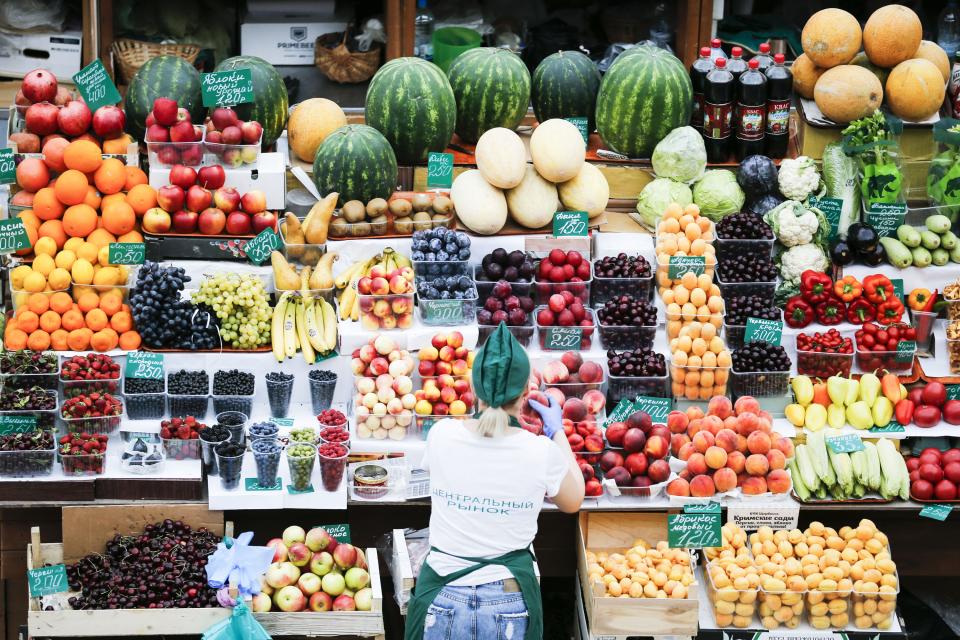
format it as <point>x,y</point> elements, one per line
<point>54,321</point>
<point>642,571</point>
<point>699,362</point>
<point>692,299</point>
<point>682,231</point>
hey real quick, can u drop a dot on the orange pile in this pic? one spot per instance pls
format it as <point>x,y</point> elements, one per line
<point>57,322</point>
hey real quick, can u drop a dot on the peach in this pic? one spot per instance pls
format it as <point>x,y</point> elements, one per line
<point>778,481</point>
<point>747,423</point>
<point>575,409</point>
<point>556,394</point>
<point>695,426</point>
<point>555,372</point>
<point>754,486</point>
<point>746,404</point>
<point>660,430</point>
<point>731,422</point>
<point>694,412</point>
<point>595,400</point>
<point>757,465</point>
<point>785,445</point>
<point>736,461</point>
<point>678,487</point>
<point>685,474</point>
<point>725,480</point>
<point>634,440</point>
<point>697,464</point>
<point>640,420</point>
<point>713,424</point>
<point>677,421</point>
<point>758,442</point>
<point>572,360</point>
<point>590,372</point>
<point>686,451</point>
<point>716,457</point>
<point>593,443</point>
<point>677,440</point>
<point>720,406</point>
<point>703,441</point>
<point>702,487</point>
<point>742,444</point>
<point>658,471</point>
<point>727,440</point>
<point>776,459</point>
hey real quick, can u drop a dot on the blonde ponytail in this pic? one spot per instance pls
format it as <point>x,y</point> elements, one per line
<point>493,422</point>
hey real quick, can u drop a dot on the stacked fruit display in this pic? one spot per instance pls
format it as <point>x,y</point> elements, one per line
<point>384,402</point>
<point>681,232</point>
<point>699,361</point>
<point>848,299</point>
<point>303,323</point>
<point>643,571</point>
<point>734,579</point>
<point>563,271</point>
<point>692,299</point>
<point>643,462</point>
<point>572,383</point>
<point>82,453</point>
<point>311,571</point>
<point>171,136</point>
<point>863,404</point>
<point>233,141</point>
<point>934,475</point>
<point>378,291</point>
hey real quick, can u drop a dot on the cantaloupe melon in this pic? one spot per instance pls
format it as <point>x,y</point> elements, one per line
<point>891,35</point>
<point>310,123</point>
<point>480,206</point>
<point>847,92</point>
<point>861,60</point>
<point>587,191</point>
<point>501,157</point>
<point>805,75</point>
<point>831,37</point>
<point>557,149</point>
<point>915,89</point>
<point>934,53</point>
<point>533,202</point>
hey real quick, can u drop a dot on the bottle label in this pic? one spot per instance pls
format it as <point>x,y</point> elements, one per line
<point>696,117</point>
<point>717,119</point>
<point>954,89</point>
<point>750,125</point>
<point>778,117</point>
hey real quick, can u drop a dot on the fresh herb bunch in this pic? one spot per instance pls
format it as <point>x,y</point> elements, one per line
<point>871,140</point>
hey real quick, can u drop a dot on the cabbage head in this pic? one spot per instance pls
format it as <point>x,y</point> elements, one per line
<point>657,195</point>
<point>680,156</point>
<point>718,194</point>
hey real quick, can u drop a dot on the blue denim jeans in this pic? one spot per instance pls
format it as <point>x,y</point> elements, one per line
<point>484,612</point>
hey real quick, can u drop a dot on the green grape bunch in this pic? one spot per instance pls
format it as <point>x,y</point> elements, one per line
<point>242,307</point>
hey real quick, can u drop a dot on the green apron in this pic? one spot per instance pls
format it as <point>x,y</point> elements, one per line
<point>430,583</point>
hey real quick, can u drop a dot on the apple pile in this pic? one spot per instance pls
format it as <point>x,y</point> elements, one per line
<point>643,460</point>
<point>445,355</point>
<point>168,122</point>
<point>732,446</point>
<point>384,400</point>
<point>575,386</point>
<point>394,308</point>
<point>311,571</point>
<point>935,474</point>
<point>444,395</point>
<point>231,139</point>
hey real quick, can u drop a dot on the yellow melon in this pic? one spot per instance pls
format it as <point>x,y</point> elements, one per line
<point>934,53</point>
<point>915,89</point>
<point>892,34</point>
<point>847,92</point>
<point>831,37</point>
<point>310,123</point>
<point>805,75</point>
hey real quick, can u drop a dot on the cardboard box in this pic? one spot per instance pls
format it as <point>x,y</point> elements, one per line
<point>286,41</point>
<point>269,176</point>
<point>916,141</point>
<point>21,53</point>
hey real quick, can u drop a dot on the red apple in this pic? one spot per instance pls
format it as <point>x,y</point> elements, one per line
<point>264,220</point>
<point>41,118</point>
<point>238,224</point>
<point>170,198</point>
<point>74,118</point>
<point>211,222</point>
<point>232,135</point>
<point>211,177</point>
<point>184,177</point>
<point>253,202</point>
<point>251,132</point>
<point>155,220</point>
<point>214,137</point>
<point>198,198</point>
<point>109,121</point>
<point>192,155</point>
<point>157,133</point>
<point>223,117</point>
<point>182,132</point>
<point>226,199</point>
<point>165,111</point>
<point>183,115</point>
<point>39,86</point>
<point>185,221</point>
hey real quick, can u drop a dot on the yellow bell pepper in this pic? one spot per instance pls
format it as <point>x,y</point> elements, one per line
<point>803,389</point>
<point>836,417</point>
<point>816,417</point>
<point>859,415</point>
<point>795,414</point>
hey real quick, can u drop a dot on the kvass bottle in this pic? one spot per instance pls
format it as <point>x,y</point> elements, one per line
<point>698,74</point>
<point>779,87</point>
<point>716,50</point>
<point>736,64</point>
<point>764,57</point>
<point>718,97</point>
<point>751,111</point>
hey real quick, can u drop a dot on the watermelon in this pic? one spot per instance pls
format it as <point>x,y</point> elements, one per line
<point>411,103</point>
<point>357,162</point>
<point>162,77</point>
<point>645,94</point>
<point>270,102</point>
<point>565,85</point>
<point>492,88</point>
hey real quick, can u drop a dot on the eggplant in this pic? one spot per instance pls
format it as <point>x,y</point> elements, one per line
<point>757,176</point>
<point>862,238</point>
<point>840,253</point>
<point>876,257</point>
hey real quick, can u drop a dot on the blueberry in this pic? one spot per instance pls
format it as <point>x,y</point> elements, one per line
<point>464,283</point>
<point>430,257</point>
<point>445,295</point>
<point>443,256</point>
<point>451,282</point>
<point>451,247</point>
<point>463,254</point>
<point>436,244</point>
<point>463,240</point>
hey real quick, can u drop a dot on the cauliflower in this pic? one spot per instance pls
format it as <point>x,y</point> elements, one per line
<point>793,223</point>
<point>798,259</point>
<point>798,178</point>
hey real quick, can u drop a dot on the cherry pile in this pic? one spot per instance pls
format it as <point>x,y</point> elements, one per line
<point>332,418</point>
<point>743,226</point>
<point>162,568</point>
<point>32,399</point>
<point>739,308</point>
<point>39,462</point>
<point>27,362</point>
<point>93,366</point>
<point>747,267</point>
<point>816,354</point>
<point>636,363</point>
<point>622,266</point>
<point>626,311</point>
<point>760,356</point>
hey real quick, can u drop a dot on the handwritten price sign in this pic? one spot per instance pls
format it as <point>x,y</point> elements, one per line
<point>8,167</point>
<point>126,253</point>
<point>47,580</point>
<point>680,265</point>
<point>562,338</point>
<point>570,224</point>
<point>95,86</point>
<point>227,88</point>
<point>259,247</point>
<point>145,365</point>
<point>439,170</point>
<point>448,312</point>
<point>693,530</point>
<point>761,330</point>
<point>13,236</point>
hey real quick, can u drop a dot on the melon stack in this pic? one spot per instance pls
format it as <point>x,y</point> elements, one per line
<point>848,83</point>
<point>505,184</point>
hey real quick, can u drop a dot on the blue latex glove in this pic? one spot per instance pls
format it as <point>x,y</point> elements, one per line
<point>240,563</point>
<point>551,415</point>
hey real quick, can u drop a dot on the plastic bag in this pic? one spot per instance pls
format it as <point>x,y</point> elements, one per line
<point>22,15</point>
<point>373,31</point>
<point>239,626</point>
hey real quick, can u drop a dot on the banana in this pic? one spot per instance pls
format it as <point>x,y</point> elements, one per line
<point>355,309</point>
<point>290,330</point>
<point>329,324</point>
<point>347,301</point>
<point>342,280</point>
<point>276,328</point>
<point>313,332</point>
<point>402,260</point>
<point>302,307</point>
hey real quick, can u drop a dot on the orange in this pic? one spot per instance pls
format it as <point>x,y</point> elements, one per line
<point>93,197</point>
<point>135,176</point>
<point>96,319</point>
<point>109,199</point>
<point>16,340</point>
<point>131,236</point>
<point>119,218</point>
<point>58,340</point>
<point>80,220</point>
<point>53,154</point>
<point>27,320</point>
<point>117,146</point>
<point>100,238</point>
<point>142,198</point>
<point>82,155</point>
<point>110,177</point>
<point>79,339</point>
<point>88,300</point>
<point>38,303</point>
<point>50,321</point>
<point>121,321</point>
<point>29,217</point>
<point>104,340</point>
<point>38,341</point>
<point>111,303</point>
<point>46,205</point>
<point>53,229</point>
<point>32,174</point>
<point>71,187</point>
<point>130,341</point>
<point>61,302</point>
<point>71,320</point>
<point>32,236</point>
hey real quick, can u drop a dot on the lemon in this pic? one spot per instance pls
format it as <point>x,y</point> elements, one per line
<point>103,256</point>
<point>89,252</point>
<point>44,264</point>
<point>34,282</point>
<point>18,274</point>
<point>72,244</point>
<point>45,246</point>
<point>106,276</point>
<point>82,271</point>
<point>59,279</point>
<point>65,259</point>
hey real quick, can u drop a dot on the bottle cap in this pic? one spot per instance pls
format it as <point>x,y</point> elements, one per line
<point>754,63</point>
<point>778,58</point>
<point>737,52</point>
<point>720,62</point>
<point>715,43</point>
<point>704,52</point>
<point>764,47</point>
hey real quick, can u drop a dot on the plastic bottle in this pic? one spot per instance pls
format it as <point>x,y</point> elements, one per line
<point>698,74</point>
<point>948,28</point>
<point>779,88</point>
<point>953,88</point>
<point>764,57</point>
<point>751,111</point>
<point>716,50</point>
<point>736,64</point>
<point>718,96</point>
<point>423,31</point>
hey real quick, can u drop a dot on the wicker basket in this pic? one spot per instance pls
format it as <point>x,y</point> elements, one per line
<point>342,65</point>
<point>130,55</point>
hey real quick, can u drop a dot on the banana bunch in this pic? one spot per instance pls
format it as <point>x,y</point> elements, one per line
<point>303,323</point>
<point>381,265</point>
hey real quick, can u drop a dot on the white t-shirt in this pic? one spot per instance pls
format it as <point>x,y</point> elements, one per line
<point>486,494</point>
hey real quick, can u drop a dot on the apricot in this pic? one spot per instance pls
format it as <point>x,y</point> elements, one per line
<point>757,465</point>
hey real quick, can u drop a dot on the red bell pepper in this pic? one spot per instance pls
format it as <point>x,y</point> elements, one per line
<point>861,311</point>
<point>903,411</point>
<point>831,311</point>
<point>890,310</point>
<point>798,313</point>
<point>928,308</point>
<point>877,288</point>
<point>815,286</point>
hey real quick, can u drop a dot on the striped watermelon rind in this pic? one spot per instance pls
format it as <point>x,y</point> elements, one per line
<point>492,89</point>
<point>410,102</point>
<point>645,94</point>
<point>565,85</point>
<point>162,77</point>
<point>357,162</point>
<point>270,102</point>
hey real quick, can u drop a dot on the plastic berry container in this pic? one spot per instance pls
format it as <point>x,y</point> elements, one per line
<point>731,607</point>
<point>823,365</point>
<point>485,287</point>
<point>780,608</point>
<point>626,338</point>
<point>145,406</point>
<point>386,312</point>
<point>85,464</point>
<point>441,268</point>
<point>828,609</point>
<point>759,383</point>
<point>447,313</point>
<point>27,463</point>
<point>304,254</point>
<point>603,289</point>
<point>168,154</point>
<point>232,156</point>
<point>103,424</point>
<point>177,449</point>
<point>732,246</point>
<point>619,387</point>
<point>579,290</point>
<point>45,359</point>
<point>569,342</point>
<point>890,360</point>
<point>734,289</point>
<point>523,333</point>
<point>698,383</point>
<point>181,405</point>
<point>733,334</point>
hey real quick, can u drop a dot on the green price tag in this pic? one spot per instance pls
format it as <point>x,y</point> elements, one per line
<point>339,532</point>
<point>439,170</point>
<point>283,422</point>
<point>709,507</point>
<point>562,338</point>
<point>8,167</point>
<point>13,236</point>
<point>936,511</point>
<point>47,580</point>
<point>227,88</point>
<point>144,365</point>
<point>886,217</point>
<point>892,427</point>
<point>570,224</point>
<point>17,424</point>
<point>898,288</point>
<point>296,492</point>
<point>95,86</point>
<point>680,265</point>
<point>656,408</point>
<point>442,311</point>
<point>847,443</point>
<point>953,392</point>
<point>261,246</point>
<point>252,484</point>
<point>126,253</point>
<point>581,125</point>
<point>620,412</point>
<point>759,329</point>
<point>906,349</point>
<point>694,530</point>
<point>831,207</point>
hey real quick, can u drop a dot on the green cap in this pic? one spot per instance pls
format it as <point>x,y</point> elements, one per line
<point>501,368</point>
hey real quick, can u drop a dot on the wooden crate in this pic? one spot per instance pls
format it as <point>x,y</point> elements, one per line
<point>615,532</point>
<point>401,570</point>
